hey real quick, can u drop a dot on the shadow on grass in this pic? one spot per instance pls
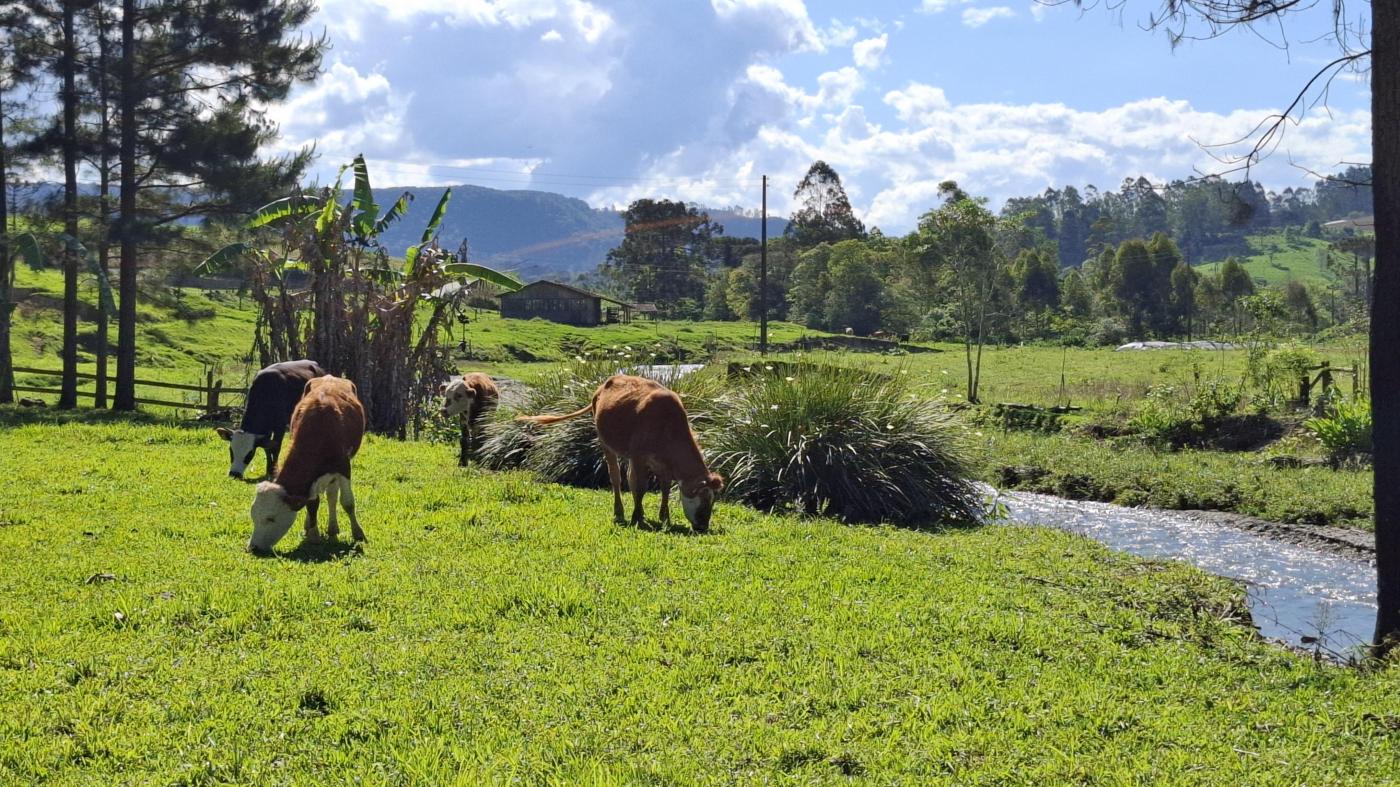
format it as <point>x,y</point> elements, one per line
<point>673,528</point>
<point>15,416</point>
<point>324,551</point>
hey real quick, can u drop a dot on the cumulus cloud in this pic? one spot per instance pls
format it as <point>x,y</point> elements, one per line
<point>976,17</point>
<point>1037,11</point>
<point>870,53</point>
<point>939,6</point>
<point>610,100</point>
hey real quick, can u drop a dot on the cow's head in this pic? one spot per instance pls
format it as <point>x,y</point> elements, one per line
<point>457,398</point>
<point>241,446</point>
<point>274,510</point>
<point>698,500</point>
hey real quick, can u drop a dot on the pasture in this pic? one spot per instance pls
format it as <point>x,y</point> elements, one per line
<point>494,628</point>
<point>1276,259</point>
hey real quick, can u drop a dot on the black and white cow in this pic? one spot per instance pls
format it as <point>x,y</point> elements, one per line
<point>271,398</point>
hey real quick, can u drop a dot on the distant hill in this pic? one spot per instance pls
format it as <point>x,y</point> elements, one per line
<point>538,234</point>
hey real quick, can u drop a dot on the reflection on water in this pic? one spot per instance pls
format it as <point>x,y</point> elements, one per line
<point>1295,592</point>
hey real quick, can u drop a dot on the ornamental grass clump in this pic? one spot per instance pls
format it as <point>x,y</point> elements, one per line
<point>844,443</point>
<point>568,452</point>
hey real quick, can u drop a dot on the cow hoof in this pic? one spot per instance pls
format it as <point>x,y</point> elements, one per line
<point>313,538</point>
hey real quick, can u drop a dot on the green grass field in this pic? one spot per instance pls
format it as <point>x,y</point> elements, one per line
<point>496,629</point>
<point>1277,260</point>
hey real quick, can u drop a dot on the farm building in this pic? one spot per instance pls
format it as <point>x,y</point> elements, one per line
<point>550,300</point>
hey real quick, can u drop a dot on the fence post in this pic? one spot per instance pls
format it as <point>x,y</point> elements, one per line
<point>213,386</point>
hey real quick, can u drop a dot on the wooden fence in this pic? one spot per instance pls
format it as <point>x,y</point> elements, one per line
<point>210,393</point>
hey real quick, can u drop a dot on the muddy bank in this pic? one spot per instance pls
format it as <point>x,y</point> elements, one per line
<point>1338,540</point>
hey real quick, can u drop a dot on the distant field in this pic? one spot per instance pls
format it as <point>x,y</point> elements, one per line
<point>495,629</point>
<point>1277,260</point>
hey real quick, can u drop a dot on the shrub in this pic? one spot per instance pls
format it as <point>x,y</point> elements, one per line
<point>1345,431</point>
<point>843,443</point>
<point>568,452</point>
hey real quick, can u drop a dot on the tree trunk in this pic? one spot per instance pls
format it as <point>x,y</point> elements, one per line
<point>128,98</point>
<point>7,273</point>
<point>104,195</point>
<point>1385,316</point>
<point>68,390</point>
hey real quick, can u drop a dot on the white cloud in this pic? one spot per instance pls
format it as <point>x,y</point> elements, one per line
<point>870,53</point>
<point>939,6</point>
<point>348,16</point>
<point>552,35</point>
<point>976,17</point>
<point>788,17</point>
<point>1038,11</point>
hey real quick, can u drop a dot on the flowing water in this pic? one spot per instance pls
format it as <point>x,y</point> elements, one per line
<point>1300,595</point>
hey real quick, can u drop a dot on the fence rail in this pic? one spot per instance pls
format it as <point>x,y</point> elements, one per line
<point>210,392</point>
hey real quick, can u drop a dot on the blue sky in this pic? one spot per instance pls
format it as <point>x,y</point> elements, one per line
<point>610,100</point>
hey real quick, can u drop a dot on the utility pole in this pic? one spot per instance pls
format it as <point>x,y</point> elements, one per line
<point>763,275</point>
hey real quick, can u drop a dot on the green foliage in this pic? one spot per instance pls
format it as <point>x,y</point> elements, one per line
<point>1345,430</point>
<point>843,443</point>
<point>1168,418</point>
<point>824,214</point>
<point>1071,465</point>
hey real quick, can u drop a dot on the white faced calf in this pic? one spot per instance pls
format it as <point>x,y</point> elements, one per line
<point>327,428</point>
<point>268,409</point>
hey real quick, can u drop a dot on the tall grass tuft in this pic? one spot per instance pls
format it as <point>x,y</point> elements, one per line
<point>844,443</point>
<point>568,452</point>
<point>1345,431</point>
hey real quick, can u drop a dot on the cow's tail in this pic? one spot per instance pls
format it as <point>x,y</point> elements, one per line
<point>554,419</point>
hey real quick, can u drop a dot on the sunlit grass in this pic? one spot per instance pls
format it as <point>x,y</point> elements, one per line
<point>495,628</point>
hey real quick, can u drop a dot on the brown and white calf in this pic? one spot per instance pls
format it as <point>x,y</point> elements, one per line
<point>644,422</point>
<point>471,398</point>
<point>327,428</point>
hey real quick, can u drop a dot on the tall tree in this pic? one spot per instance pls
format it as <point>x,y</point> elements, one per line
<point>17,67</point>
<point>195,79</point>
<point>1385,316</point>
<point>824,214</point>
<point>961,235</point>
<point>666,253</point>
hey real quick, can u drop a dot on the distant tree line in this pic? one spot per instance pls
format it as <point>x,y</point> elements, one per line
<point>1106,269</point>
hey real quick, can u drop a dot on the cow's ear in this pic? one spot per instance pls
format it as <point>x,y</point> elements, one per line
<point>306,389</point>
<point>224,433</point>
<point>442,388</point>
<point>715,482</point>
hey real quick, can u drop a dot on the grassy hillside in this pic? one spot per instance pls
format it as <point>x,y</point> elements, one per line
<point>497,629</point>
<point>1277,260</point>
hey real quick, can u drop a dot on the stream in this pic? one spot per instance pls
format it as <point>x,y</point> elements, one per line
<point>1300,595</point>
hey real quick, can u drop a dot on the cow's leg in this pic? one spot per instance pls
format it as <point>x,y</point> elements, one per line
<point>665,482</point>
<point>464,443</point>
<point>637,480</point>
<point>615,476</point>
<point>273,449</point>
<point>347,501</point>
<point>332,526</point>
<point>312,534</point>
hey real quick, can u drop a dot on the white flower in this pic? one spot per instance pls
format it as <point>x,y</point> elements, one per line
<point>789,379</point>
<point>769,368</point>
<point>772,407</point>
<point>889,427</point>
<point>748,368</point>
<point>945,390</point>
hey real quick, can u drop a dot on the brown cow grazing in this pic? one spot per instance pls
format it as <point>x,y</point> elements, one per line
<point>645,422</point>
<point>327,427</point>
<point>471,397</point>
